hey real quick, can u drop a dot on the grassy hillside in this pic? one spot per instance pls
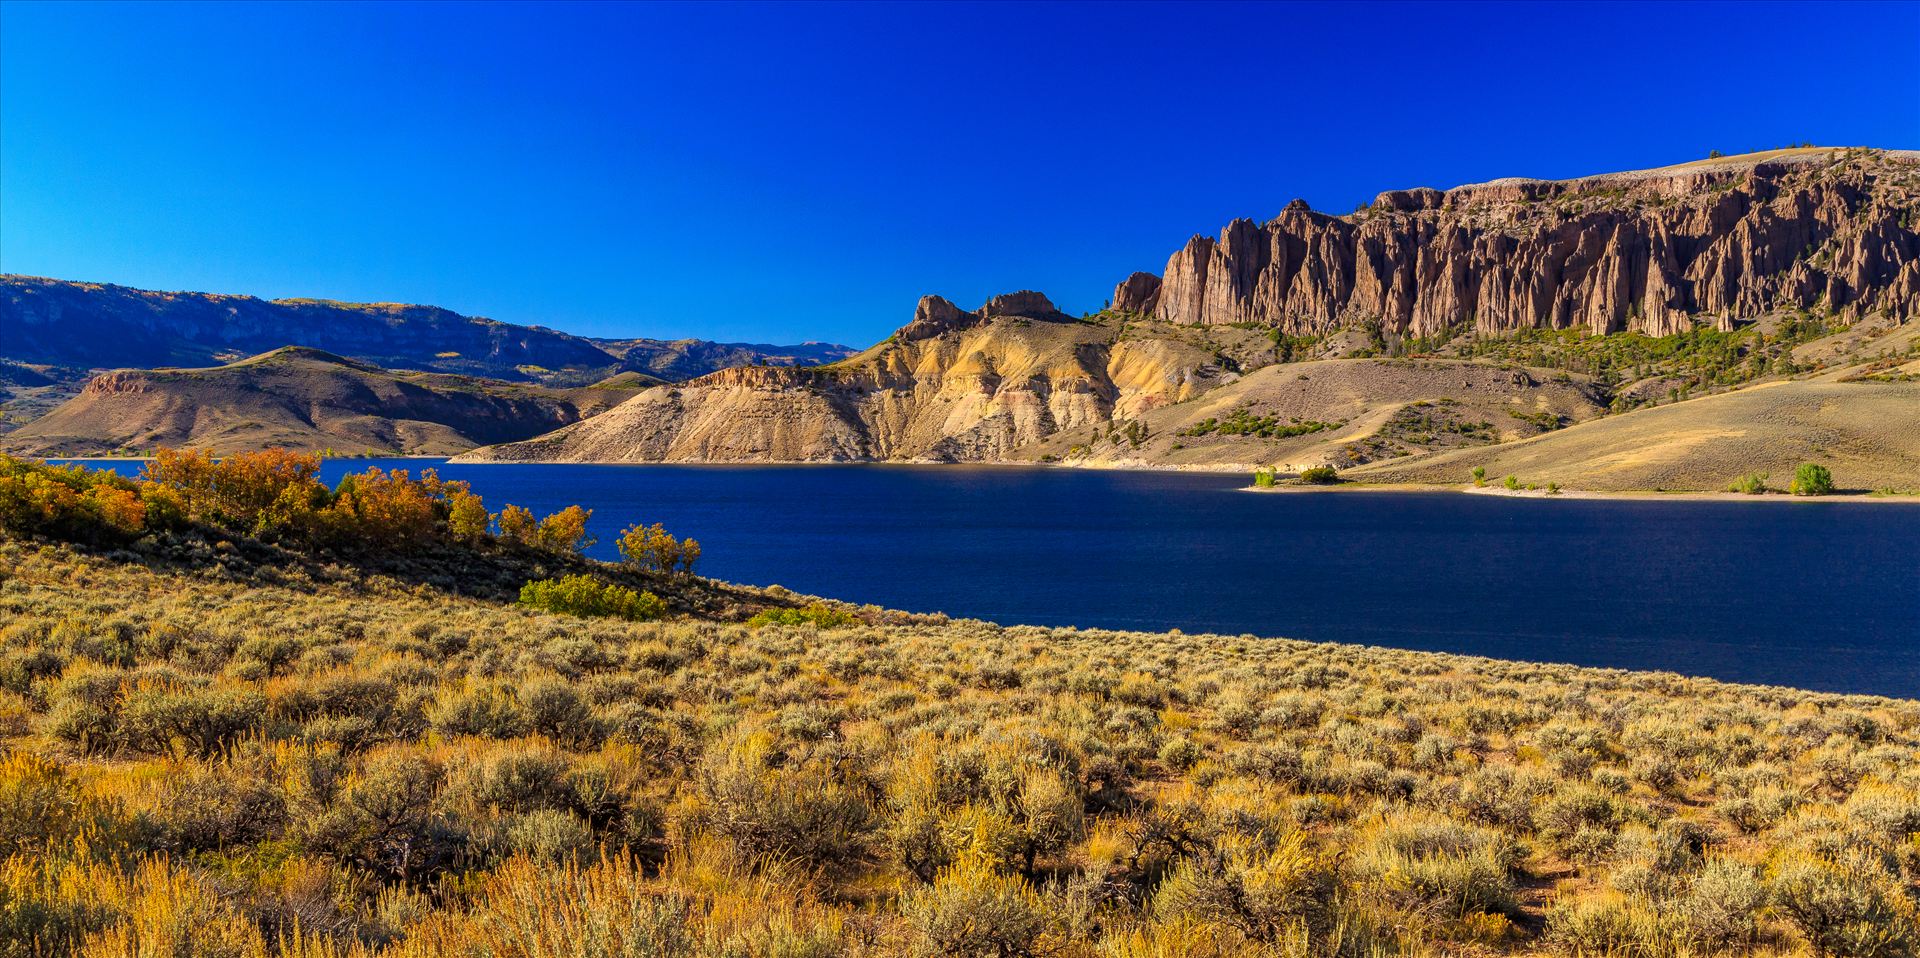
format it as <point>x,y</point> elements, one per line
<point>221,746</point>
<point>1345,411</point>
<point>31,390</point>
<point>297,398</point>
<point>1867,431</point>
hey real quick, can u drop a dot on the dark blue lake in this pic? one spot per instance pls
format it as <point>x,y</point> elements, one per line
<point>1815,595</point>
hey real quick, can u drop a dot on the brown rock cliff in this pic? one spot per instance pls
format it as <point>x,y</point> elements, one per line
<point>1652,252</point>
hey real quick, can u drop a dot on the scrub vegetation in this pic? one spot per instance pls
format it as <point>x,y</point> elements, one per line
<point>1699,360</point>
<point>239,743</point>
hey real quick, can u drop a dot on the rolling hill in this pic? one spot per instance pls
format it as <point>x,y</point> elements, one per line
<point>307,399</point>
<point>1867,431</point>
<point>55,335</point>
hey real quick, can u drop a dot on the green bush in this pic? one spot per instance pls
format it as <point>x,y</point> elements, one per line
<point>1435,865</point>
<point>817,614</point>
<point>1320,475</point>
<point>973,912</point>
<point>166,719</point>
<point>1811,479</point>
<point>1263,478</point>
<point>1242,422</point>
<point>547,835</point>
<point>482,711</point>
<point>1612,925</point>
<point>1285,892</point>
<point>810,815</point>
<point>1511,482</point>
<point>1722,903</point>
<point>1479,475</point>
<point>584,595</point>
<point>1849,908</point>
<point>386,820</point>
<point>1752,484</point>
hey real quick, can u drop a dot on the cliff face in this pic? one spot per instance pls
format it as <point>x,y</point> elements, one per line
<point>950,385</point>
<point>1650,252</point>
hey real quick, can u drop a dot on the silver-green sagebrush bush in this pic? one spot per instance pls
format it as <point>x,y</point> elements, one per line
<point>212,758</point>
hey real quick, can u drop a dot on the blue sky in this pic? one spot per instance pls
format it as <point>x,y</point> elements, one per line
<point>807,171</point>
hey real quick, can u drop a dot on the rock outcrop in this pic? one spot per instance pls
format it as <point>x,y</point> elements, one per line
<point>951,385</point>
<point>1654,252</point>
<point>1137,293</point>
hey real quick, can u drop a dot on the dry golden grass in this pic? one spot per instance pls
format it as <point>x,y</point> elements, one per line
<point>1383,408</point>
<point>219,759</point>
<point>1866,432</point>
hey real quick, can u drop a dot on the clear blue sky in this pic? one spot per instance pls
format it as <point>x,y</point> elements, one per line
<point>807,171</point>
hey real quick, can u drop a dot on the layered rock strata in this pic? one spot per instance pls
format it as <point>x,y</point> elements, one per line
<point>1653,252</point>
<point>951,385</point>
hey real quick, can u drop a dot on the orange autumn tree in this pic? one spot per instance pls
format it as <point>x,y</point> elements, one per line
<point>654,549</point>
<point>68,502</point>
<point>236,491</point>
<point>565,531</point>
<point>386,508</point>
<point>277,495</point>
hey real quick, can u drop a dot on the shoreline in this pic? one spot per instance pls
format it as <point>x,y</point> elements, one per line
<point>150,458</point>
<point>1634,495</point>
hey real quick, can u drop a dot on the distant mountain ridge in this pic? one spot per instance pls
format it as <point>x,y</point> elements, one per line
<point>680,359</point>
<point>79,325</point>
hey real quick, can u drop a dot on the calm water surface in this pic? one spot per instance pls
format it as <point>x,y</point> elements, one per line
<point>1815,595</point>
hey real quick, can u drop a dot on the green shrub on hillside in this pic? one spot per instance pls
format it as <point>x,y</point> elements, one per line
<point>1752,484</point>
<point>817,614</point>
<point>1242,422</point>
<point>1811,479</point>
<point>1320,475</point>
<point>585,595</point>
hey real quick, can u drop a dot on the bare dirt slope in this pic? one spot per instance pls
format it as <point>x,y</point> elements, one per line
<point>1867,431</point>
<point>304,399</point>
<point>949,386</point>
<point>1340,411</point>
